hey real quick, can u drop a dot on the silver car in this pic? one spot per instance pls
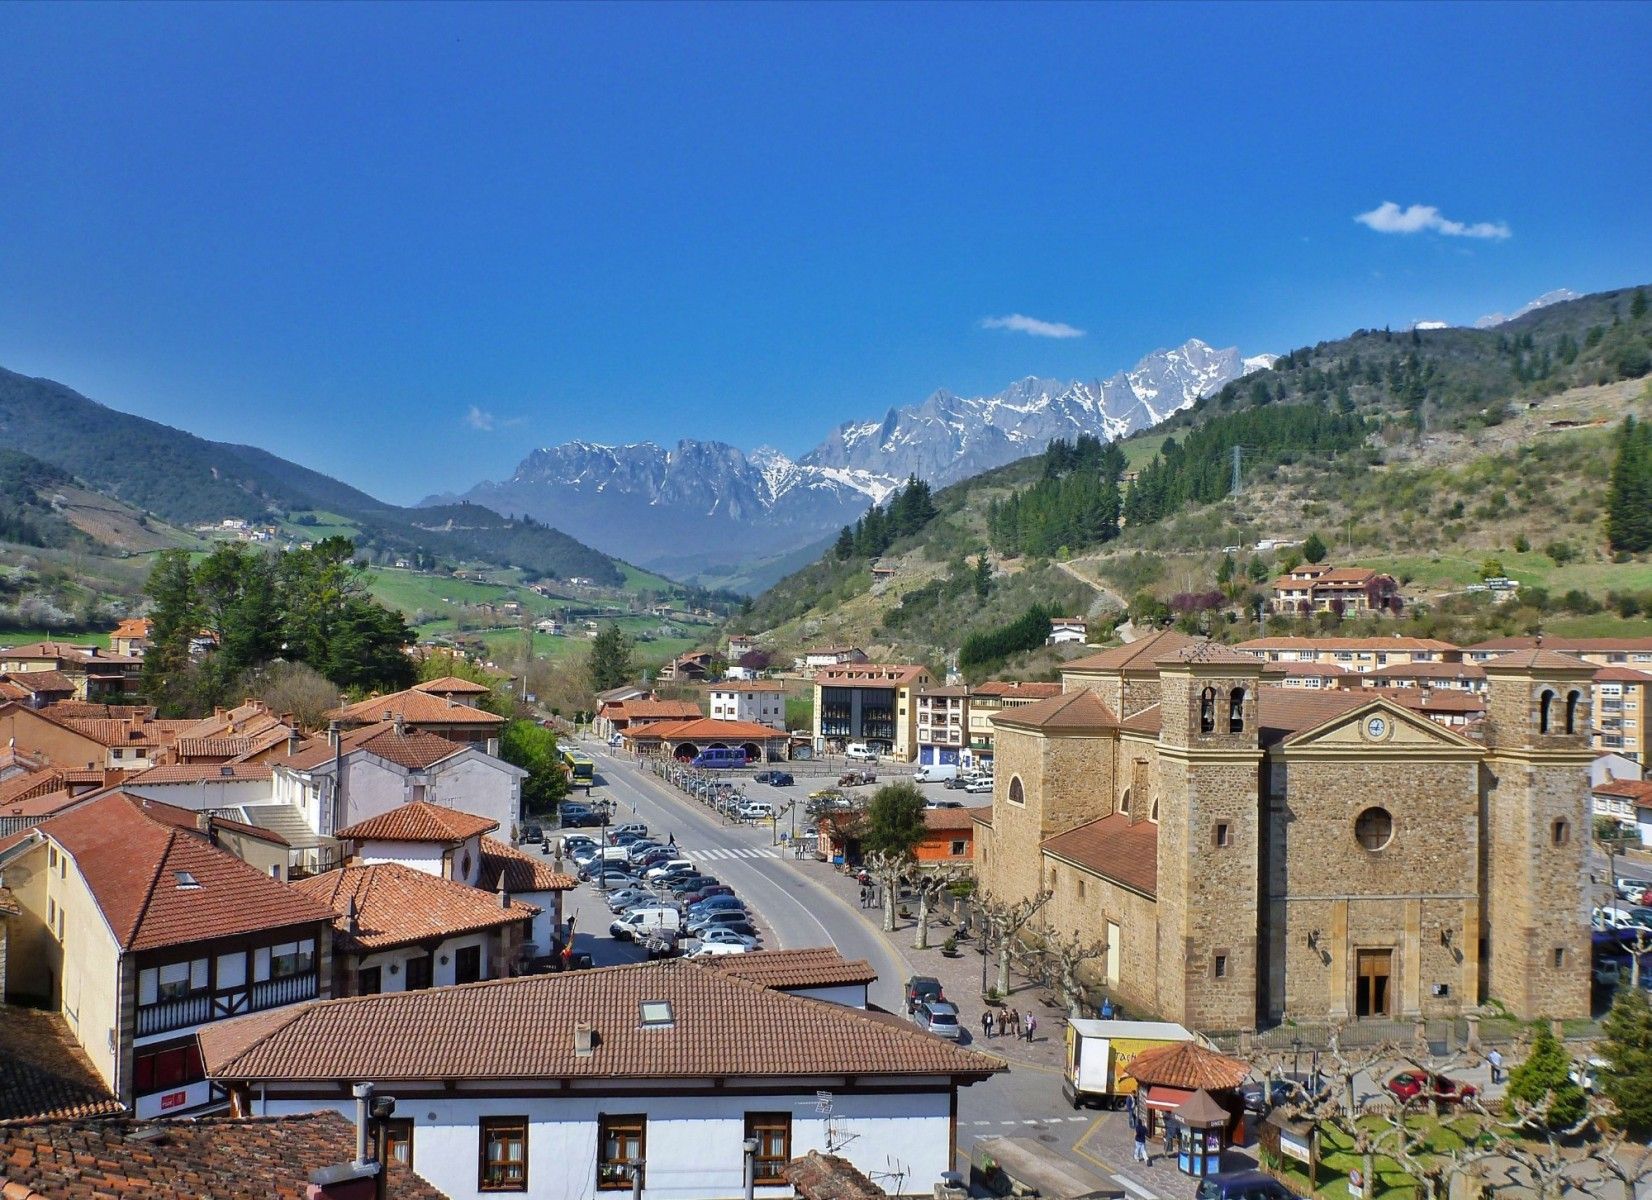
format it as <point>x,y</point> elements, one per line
<point>939,1017</point>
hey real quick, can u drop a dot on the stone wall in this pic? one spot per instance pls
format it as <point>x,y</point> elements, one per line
<point>1134,978</point>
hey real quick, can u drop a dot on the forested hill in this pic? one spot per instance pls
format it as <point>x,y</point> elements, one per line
<point>188,480</point>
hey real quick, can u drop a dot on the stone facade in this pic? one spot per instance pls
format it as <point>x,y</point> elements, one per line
<point>1254,854</point>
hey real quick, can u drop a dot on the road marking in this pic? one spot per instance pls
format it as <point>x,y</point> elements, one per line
<point>980,1122</point>
<point>1031,1122</point>
<point>1131,1185</point>
<point>1080,1120</point>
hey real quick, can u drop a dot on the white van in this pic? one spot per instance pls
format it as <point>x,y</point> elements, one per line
<point>935,773</point>
<point>755,810</point>
<point>860,752</point>
<point>669,867</point>
<point>640,922</point>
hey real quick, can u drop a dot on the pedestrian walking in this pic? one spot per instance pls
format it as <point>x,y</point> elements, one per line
<point>672,841</point>
<point>1015,1022</point>
<point>1032,1026</point>
<point>1495,1058</point>
<point>986,1023</point>
<point>1141,1145</point>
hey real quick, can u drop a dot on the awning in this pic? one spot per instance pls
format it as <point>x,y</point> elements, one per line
<point>1167,1098</point>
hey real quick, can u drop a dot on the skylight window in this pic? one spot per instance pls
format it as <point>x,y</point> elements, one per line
<point>186,881</point>
<point>656,1014</point>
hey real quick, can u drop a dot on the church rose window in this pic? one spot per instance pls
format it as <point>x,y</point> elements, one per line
<point>1374,828</point>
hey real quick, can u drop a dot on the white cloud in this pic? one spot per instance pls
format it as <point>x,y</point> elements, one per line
<point>1032,325</point>
<point>1389,217</point>
<point>478,418</point>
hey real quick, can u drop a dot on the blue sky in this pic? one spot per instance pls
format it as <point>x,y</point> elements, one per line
<point>406,244</point>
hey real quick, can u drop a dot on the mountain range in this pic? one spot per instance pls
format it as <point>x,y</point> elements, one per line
<point>699,508</point>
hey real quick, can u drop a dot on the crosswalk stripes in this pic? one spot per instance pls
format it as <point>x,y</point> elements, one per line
<point>723,852</point>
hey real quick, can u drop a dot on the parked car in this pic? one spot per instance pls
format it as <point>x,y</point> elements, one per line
<point>627,897</point>
<point>921,988</point>
<point>1260,1097</point>
<point>774,778</point>
<point>638,850</point>
<point>1632,889</point>
<point>573,841</point>
<point>723,903</point>
<point>1242,1185</point>
<point>944,804</point>
<point>939,1017</point>
<point>860,752</point>
<point>639,923</point>
<point>671,868</point>
<point>708,949</point>
<point>690,883</point>
<point>978,784</point>
<point>634,830</point>
<point>728,919</point>
<point>724,936</point>
<point>609,880</point>
<point>532,834</point>
<point>1408,1085</point>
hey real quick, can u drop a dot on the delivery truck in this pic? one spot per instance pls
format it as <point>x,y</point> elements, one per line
<point>1099,1051</point>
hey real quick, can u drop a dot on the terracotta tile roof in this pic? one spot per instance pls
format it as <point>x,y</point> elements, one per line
<point>1133,656</point>
<point>1113,848</point>
<point>953,690</point>
<point>1428,670</point>
<point>85,708</point>
<point>136,867</point>
<point>1212,653</point>
<point>44,1074</point>
<point>1638,790</point>
<point>196,772</point>
<point>40,681</point>
<point>1572,645</point>
<point>120,731</point>
<point>872,675</point>
<point>452,685</point>
<point>654,710</point>
<point>1149,720</point>
<point>1080,711</point>
<point>704,729</point>
<point>1189,1066</point>
<point>522,872</point>
<point>212,747</point>
<point>750,685</point>
<point>1539,658</point>
<point>523,1029</point>
<point>947,818</point>
<point>416,708</point>
<point>396,905</point>
<point>414,749</point>
<point>189,819</point>
<point>40,805</point>
<point>206,1158</point>
<point>981,815</point>
<point>1016,691</point>
<point>818,1176</point>
<point>1282,711</point>
<point>787,970</point>
<point>1303,670</point>
<point>1293,642</point>
<point>418,821</point>
<point>1617,674</point>
<point>1435,700</point>
<point>29,785</point>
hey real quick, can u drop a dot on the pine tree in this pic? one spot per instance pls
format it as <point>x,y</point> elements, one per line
<point>1226,568</point>
<point>1543,1082</point>
<point>1637,306</point>
<point>845,547</point>
<point>1314,549</point>
<point>610,663</point>
<point>1627,1049</point>
<point>1629,494</point>
<point>983,576</point>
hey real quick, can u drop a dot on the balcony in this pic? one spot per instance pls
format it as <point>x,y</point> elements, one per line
<point>232,1002</point>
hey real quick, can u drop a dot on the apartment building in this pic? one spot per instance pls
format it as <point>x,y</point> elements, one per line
<point>758,701</point>
<point>992,697</point>
<point>871,703</point>
<point>943,725</point>
<point>1315,587</point>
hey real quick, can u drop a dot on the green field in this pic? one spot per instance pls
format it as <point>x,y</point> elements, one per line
<point>327,525</point>
<point>20,637</point>
<point>1443,571</point>
<point>639,580</point>
<point>1139,451</point>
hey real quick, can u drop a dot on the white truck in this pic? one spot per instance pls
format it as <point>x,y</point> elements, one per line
<point>639,923</point>
<point>1099,1051</point>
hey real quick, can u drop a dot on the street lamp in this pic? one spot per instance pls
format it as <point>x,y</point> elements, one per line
<point>1296,1066</point>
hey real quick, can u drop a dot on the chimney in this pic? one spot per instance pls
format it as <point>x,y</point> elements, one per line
<point>400,723</point>
<point>585,1040</point>
<point>504,896</point>
<point>295,741</point>
<point>350,926</point>
<point>332,734</point>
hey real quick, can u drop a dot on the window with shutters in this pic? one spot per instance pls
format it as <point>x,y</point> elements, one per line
<point>504,1154</point>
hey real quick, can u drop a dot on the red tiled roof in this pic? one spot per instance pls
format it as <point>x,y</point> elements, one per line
<point>1149,720</point>
<point>1016,691</point>
<point>29,785</point>
<point>1433,700</point>
<point>452,685</point>
<point>1638,790</point>
<point>44,1074</point>
<point>212,747</point>
<point>1080,711</point>
<point>749,685</point>
<point>785,970</point>
<point>652,710</point>
<point>818,1176</point>
<point>1304,670</point>
<point>418,821</point>
<point>40,681</point>
<point>1571,645</point>
<point>41,805</point>
<point>1211,653</point>
<point>416,708</point>
<point>704,729</point>
<point>1113,848</point>
<point>189,819</point>
<point>1539,658</point>
<point>947,818</point>
<point>121,731</point>
<point>1189,1066</point>
<point>1428,670</point>
<point>522,872</point>
<point>722,1026</point>
<point>205,1158</point>
<point>872,675</point>
<point>1138,655</point>
<point>137,867</point>
<point>396,905</point>
<point>981,815</point>
<point>1407,644</point>
<point>1282,711</point>
<point>1619,674</point>
<point>196,772</point>
<point>415,749</point>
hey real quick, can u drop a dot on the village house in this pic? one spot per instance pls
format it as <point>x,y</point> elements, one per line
<point>96,674</point>
<point>617,716</point>
<point>1315,587</point>
<point>987,699</point>
<point>140,932</point>
<point>872,704</point>
<point>1237,845</point>
<point>1626,801</point>
<point>829,656</point>
<point>1622,686</point>
<point>652,1077</point>
<point>1313,676</point>
<point>1456,676</point>
<point>1068,629</point>
<point>130,638</point>
<point>759,701</point>
<point>127,742</point>
<point>943,725</point>
<point>454,845</point>
<point>445,707</point>
<point>1357,654</point>
<point>696,665</point>
<point>818,972</point>
<point>36,689</point>
<point>740,643</point>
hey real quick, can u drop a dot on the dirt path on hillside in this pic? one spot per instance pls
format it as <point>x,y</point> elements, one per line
<point>1107,600</point>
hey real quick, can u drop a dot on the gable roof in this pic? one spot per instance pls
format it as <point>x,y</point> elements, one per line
<point>1009,690</point>
<point>1620,674</point>
<point>944,819</point>
<point>395,905</point>
<point>1539,658</point>
<point>1296,642</point>
<point>1211,653</point>
<point>784,970</point>
<point>416,708</point>
<point>1133,656</point>
<point>44,1074</point>
<point>1573,645</point>
<point>412,747</point>
<point>198,772</point>
<point>418,821</point>
<point>522,872</point>
<point>1115,848</point>
<point>722,1026</point>
<point>452,685</point>
<point>136,866</point>
<point>1080,711</point>
<point>703,729</point>
<point>872,675</point>
<point>1282,711</point>
<point>1637,790</point>
<point>202,1158</point>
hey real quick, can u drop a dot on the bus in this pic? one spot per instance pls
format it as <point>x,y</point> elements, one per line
<point>582,770</point>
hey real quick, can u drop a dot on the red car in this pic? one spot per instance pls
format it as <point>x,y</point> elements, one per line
<point>1408,1085</point>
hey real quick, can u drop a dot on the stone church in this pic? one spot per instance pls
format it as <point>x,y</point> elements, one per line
<point>1251,853</point>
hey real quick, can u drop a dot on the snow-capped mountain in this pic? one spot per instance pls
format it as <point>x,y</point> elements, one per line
<point>704,505</point>
<point>1559,295</point>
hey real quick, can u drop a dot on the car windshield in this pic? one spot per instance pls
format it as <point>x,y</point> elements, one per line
<point>943,1018</point>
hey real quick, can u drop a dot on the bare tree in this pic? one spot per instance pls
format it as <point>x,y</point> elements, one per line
<point>1070,951</point>
<point>1001,921</point>
<point>292,687</point>
<point>890,870</point>
<point>928,885</point>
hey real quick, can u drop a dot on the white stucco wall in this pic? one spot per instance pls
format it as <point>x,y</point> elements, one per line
<point>442,973</point>
<point>200,795</point>
<point>693,1142</point>
<point>549,918</point>
<point>476,783</point>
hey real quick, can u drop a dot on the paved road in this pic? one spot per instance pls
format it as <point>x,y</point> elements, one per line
<point>797,912</point>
